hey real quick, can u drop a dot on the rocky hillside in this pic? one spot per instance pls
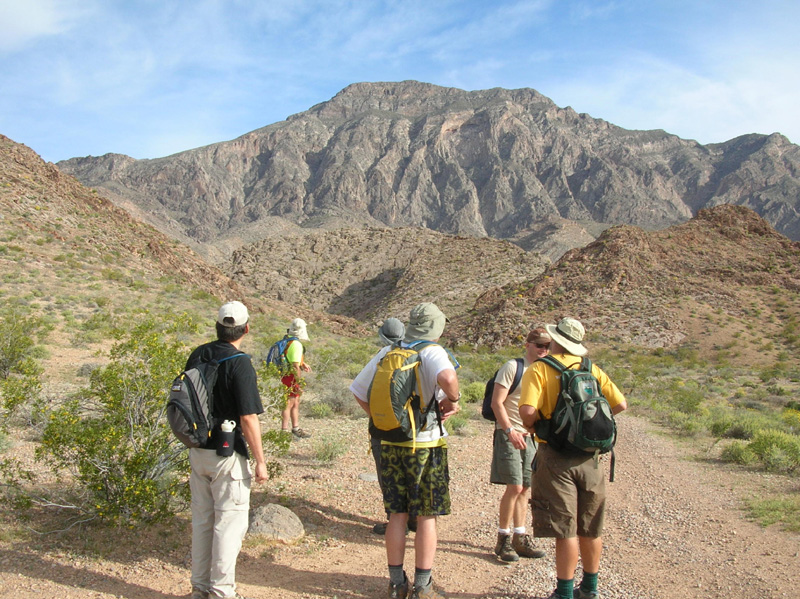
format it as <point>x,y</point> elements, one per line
<point>373,273</point>
<point>493,162</point>
<point>73,255</point>
<point>51,218</point>
<point>723,277</point>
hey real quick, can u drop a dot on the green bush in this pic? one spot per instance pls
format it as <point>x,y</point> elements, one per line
<point>329,447</point>
<point>113,437</point>
<point>778,450</point>
<point>739,453</point>
<point>473,392</point>
<point>457,423</point>
<point>320,410</point>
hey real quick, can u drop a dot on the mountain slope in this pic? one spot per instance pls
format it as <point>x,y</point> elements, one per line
<point>493,162</point>
<point>373,273</point>
<point>725,275</point>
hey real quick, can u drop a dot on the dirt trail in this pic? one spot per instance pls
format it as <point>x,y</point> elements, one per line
<point>674,531</point>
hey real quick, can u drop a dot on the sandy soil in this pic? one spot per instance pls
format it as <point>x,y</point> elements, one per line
<point>675,530</point>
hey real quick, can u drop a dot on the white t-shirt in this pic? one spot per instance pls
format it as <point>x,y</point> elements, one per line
<point>433,360</point>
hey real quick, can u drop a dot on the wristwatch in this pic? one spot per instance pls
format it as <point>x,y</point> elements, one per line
<point>508,430</point>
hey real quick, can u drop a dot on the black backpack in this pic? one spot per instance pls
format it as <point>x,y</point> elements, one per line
<point>486,410</point>
<point>582,420</point>
<point>190,408</point>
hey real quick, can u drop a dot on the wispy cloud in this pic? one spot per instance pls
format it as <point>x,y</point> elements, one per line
<point>22,23</point>
<point>146,78</point>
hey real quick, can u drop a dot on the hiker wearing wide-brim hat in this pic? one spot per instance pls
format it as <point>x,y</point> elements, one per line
<point>422,459</point>
<point>568,488</point>
<point>569,334</point>
<point>295,356</point>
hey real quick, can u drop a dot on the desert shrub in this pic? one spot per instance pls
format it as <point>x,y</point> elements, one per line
<point>20,373</point>
<point>739,453</point>
<point>473,392</point>
<point>740,424</point>
<point>457,423</point>
<point>687,398</point>
<point>686,424</point>
<point>792,419</point>
<point>112,436</point>
<point>329,447</point>
<point>320,410</point>
<point>19,332</point>
<point>778,450</point>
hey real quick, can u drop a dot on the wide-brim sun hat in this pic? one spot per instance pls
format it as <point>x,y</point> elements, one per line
<point>568,333</point>
<point>233,314</point>
<point>298,329</point>
<point>425,323</point>
<point>391,331</point>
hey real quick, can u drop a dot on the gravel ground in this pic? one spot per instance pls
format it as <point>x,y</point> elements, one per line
<point>674,530</point>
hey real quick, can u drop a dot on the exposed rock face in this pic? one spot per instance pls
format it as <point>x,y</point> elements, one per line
<point>494,162</point>
<point>707,281</point>
<point>374,273</point>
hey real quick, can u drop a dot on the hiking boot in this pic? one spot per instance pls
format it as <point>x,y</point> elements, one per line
<point>398,591</point>
<point>427,592</point>
<point>198,594</point>
<point>504,550</point>
<point>300,433</point>
<point>579,593</point>
<point>380,529</point>
<point>523,545</point>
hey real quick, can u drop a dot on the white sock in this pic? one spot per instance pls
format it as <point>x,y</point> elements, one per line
<point>519,530</point>
<point>504,531</point>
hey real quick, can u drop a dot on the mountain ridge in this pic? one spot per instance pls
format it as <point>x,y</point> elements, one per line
<point>477,163</point>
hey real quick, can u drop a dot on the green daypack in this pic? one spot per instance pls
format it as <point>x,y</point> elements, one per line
<point>395,397</point>
<point>582,420</point>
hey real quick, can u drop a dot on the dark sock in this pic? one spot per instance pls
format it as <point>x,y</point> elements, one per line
<point>564,588</point>
<point>422,578</point>
<point>589,582</point>
<point>396,575</point>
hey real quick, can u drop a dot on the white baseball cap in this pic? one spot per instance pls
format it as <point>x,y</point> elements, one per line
<point>233,314</point>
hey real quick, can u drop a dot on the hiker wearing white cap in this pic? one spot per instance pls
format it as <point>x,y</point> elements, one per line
<point>568,488</point>
<point>220,484</point>
<point>295,356</point>
<point>423,460</point>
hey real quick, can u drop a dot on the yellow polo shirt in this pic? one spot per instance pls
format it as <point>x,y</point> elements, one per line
<point>541,385</point>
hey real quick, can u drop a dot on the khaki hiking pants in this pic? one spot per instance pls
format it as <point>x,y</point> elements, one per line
<point>220,508</point>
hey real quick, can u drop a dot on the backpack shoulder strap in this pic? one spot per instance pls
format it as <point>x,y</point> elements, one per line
<point>221,360</point>
<point>422,343</point>
<point>551,361</point>
<point>517,375</point>
<point>586,364</point>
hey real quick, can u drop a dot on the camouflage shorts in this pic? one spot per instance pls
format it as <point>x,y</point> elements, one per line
<point>415,483</point>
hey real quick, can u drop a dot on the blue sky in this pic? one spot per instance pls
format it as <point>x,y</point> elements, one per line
<point>150,78</point>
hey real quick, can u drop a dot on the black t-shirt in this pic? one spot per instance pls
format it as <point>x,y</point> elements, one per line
<point>236,391</point>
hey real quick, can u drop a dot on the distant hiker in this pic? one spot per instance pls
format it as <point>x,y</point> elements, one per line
<point>295,357</point>
<point>513,452</point>
<point>568,488</point>
<point>220,486</point>
<point>423,459</point>
<point>390,332</point>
